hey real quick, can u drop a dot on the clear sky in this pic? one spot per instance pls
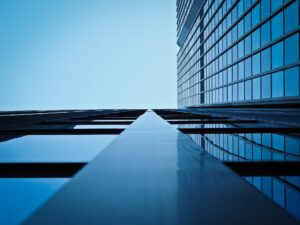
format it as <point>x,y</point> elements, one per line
<point>66,54</point>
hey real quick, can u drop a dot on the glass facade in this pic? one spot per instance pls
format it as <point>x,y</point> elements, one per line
<point>237,48</point>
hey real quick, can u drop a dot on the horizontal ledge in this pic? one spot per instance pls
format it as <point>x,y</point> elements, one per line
<point>106,118</point>
<point>109,131</point>
<point>235,130</point>
<point>213,121</point>
<point>88,123</point>
<point>265,168</point>
<point>39,170</point>
<point>65,169</point>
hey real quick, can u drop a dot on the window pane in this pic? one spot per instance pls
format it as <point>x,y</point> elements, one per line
<point>241,28</point>
<point>234,73</point>
<point>247,44</point>
<point>247,4</point>
<point>256,88</point>
<point>241,70</point>
<point>265,8</point>
<point>266,60</point>
<point>256,40</point>
<point>292,145</point>
<point>241,91</point>
<point>235,92</point>
<point>234,53</point>
<point>277,55</point>
<point>292,49</point>
<point>240,8</point>
<point>292,82</point>
<point>248,90</point>
<point>291,17</point>
<point>275,4</point>
<point>256,15</point>
<point>230,93</point>
<point>266,86</point>
<point>277,26</point>
<point>256,64</point>
<point>265,34</point>
<point>277,84</point>
<point>241,49</point>
<point>248,67</point>
<point>248,22</point>
<point>229,72</point>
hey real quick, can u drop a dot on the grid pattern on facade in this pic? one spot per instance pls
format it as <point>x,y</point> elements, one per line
<point>239,52</point>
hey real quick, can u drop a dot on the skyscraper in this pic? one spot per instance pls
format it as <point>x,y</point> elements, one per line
<point>237,52</point>
<point>240,58</point>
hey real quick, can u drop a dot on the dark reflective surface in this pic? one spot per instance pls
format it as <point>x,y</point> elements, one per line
<point>154,174</point>
<point>19,198</point>
<point>53,148</point>
<point>257,146</point>
<point>284,191</point>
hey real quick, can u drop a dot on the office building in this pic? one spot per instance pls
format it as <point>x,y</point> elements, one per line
<point>241,58</point>
<point>237,52</point>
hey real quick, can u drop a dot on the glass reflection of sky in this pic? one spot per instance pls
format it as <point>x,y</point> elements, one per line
<point>53,148</point>
<point>20,197</point>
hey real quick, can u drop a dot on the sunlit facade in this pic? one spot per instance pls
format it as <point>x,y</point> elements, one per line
<point>237,52</point>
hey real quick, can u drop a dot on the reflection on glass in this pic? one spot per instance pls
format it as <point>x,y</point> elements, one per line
<point>53,148</point>
<point>237,147</point>
<point>284,191</point>
<point>20,197</point>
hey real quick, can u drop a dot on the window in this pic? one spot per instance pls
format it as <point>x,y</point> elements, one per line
<point>277,26</point>
<point>278,142</point>
<point>265,8</point>
<point>277,84</point>
<point>256,15</point>
<point>265,34</point>
<point>241,70</point>
<point>229,56</point>
<point>248,22</point>
<point>292,82</point>
<point>266,60</point>
<point>275,4</point>
<point>234,34</point>
<point>292,145</point>
<point>241,49</point>
<point>230,93</point>
<point>234,73</point>
<point>229,74</point>
<point>240,8</point>
<point>256,40</point>
<point>234,53</point>
<point>241,28</point>
<point>291,17</point>
<point>241,91</point>
<point>256,64</point>
<point>277,55</point>
<point>247,4</point>
<point>248,90</point>
<point>292,49</point>
<point>266,86</point>
<point>248,44</point>
<point>235,92</point>
<point>248,68</point>
<point>256,88</point>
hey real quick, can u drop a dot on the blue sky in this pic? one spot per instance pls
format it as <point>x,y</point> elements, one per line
<point>66,54</point>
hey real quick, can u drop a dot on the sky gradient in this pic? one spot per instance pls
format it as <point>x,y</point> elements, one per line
<point>67,54</point>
